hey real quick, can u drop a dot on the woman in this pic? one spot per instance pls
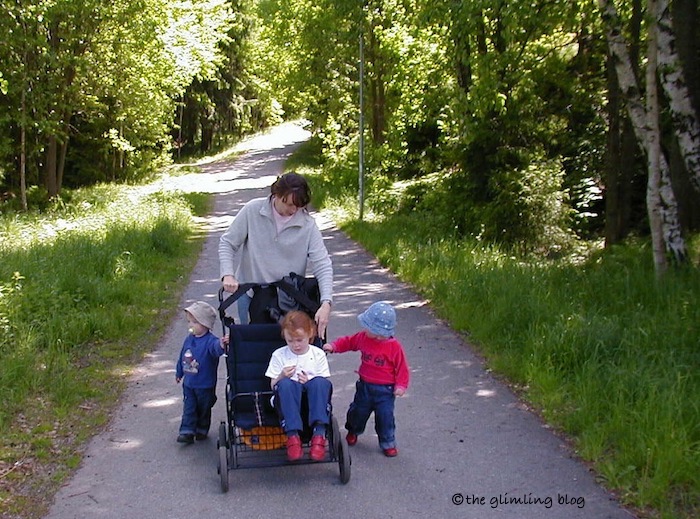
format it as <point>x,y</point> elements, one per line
<point>273,236</point>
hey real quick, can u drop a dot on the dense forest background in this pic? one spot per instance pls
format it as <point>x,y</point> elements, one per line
<point>510,121</point>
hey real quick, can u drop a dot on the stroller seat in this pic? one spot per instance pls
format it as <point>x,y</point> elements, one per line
<point>250,349</point>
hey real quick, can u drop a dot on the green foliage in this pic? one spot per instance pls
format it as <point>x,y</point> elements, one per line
<point>99,78</point>
<point>89,274</point>
<point>500,105</point>
<point>229,101</point>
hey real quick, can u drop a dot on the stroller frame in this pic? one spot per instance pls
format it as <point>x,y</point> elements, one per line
<point>251,436</point>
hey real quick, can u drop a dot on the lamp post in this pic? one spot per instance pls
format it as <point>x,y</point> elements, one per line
<point>362,122</point>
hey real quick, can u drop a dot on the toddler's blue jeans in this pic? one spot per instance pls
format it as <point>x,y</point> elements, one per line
<point>288,401</point>
<point>196,413</point>
<point>380,399</point>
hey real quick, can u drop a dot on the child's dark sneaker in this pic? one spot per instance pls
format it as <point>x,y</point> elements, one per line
<point>294,451</point>
<point>185,438</point>
<point>391,452</point>
<point>318,447</point>
<point>351,438</point>
<point>200,436</point>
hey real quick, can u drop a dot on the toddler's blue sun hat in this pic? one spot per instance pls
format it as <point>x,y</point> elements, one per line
<point>379,318</point>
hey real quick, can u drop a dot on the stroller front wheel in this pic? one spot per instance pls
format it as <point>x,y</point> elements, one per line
<point>223,457</point>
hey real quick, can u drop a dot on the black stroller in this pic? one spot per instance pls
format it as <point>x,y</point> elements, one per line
<point>251,436</point>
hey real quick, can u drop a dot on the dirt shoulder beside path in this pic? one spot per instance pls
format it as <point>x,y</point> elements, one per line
<point>468,448</point>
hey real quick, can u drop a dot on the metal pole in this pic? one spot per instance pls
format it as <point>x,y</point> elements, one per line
<point>362,126</point>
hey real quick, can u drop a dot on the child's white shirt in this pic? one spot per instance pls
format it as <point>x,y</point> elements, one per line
<point>314,363</point>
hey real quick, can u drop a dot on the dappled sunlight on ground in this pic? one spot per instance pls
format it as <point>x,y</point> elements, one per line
<point>212,183</point>
<point>411,304</point>
<point>214,223</point>
<point>124,444</point>
<point>155,367</point>
<point>463,364</point>
<point>283,135</point>
<point>162,402</point>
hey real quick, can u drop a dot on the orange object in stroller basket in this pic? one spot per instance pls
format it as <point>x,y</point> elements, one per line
<point>264,438</point>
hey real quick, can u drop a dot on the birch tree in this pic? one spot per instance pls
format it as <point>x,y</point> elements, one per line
<point>654,202</point>
<point>672,80</point>
<point>665,204</point>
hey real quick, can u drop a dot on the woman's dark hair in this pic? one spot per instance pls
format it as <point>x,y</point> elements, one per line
<point>295,185</point>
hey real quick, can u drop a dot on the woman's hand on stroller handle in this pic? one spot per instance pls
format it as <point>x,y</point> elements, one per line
<point>229,283</point>
<point>322,317</point>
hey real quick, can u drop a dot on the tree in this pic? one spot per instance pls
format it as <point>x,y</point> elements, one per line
<point>624,182</point>
<point>662,204</point>
<point>101,76</point>
<point>225,101</point>
<point>672,78</point>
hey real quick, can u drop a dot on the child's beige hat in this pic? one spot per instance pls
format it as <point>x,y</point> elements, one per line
<point>203,312</point>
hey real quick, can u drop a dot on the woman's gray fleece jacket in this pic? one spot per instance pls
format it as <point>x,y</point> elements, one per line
<point>252,251</point>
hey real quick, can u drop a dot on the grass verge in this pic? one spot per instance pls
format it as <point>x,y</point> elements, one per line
<point>82,287</point>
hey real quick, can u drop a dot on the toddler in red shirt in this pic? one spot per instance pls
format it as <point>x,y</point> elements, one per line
<point>384,375</point>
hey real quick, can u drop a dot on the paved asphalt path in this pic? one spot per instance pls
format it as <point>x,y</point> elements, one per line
<point>467,446</point>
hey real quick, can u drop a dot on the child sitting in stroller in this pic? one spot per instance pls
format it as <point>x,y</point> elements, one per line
<point>295,369</point>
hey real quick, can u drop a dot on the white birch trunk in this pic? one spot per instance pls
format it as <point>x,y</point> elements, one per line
<point>672,79</point>
<point>667,206</point>
<point>654,152</point>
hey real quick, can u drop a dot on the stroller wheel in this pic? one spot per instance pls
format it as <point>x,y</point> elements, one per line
<point>223,457</point>
<point>344,460</point>
<point>335,439</point>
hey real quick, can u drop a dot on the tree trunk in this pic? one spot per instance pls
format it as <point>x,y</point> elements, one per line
<point>672,79</point>
<point>50,166</point>
<point>61,166</point>
<point>377,90</point>
<point>621,184</point>
<point>686,27</point>
<point>23,155</point>
<point>654,207</point>
<point>613,185</point>
<point>628,85</point>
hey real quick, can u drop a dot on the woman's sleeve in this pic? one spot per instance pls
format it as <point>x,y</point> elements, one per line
<point>230,243</point>
<point>321,265</point>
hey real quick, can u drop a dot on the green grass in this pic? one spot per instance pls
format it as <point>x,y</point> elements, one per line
<point>85,288</point>
<point>606,353</point>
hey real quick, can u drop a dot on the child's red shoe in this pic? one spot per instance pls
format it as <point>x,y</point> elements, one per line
<point>294,451</point>
<point>318,447</point>
<point>391,452</point>
<point>351,439</point>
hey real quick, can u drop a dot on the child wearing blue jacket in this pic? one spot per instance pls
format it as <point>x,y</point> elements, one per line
<point>197,368</point>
